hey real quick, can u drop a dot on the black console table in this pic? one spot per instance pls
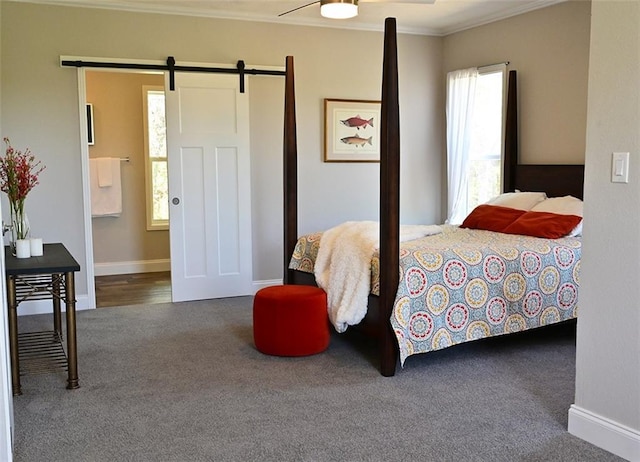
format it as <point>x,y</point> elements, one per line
<point>50,276</point>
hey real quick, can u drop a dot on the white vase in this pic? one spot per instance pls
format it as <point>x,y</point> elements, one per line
<point>23,248</point>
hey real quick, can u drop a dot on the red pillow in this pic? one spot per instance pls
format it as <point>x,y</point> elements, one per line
<point>491,217</point>
<point>543,224</point>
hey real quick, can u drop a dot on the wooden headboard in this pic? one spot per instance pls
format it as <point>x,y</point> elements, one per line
<point>554,179</point>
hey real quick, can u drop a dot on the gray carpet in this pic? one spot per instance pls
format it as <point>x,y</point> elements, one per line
<point>183,382</point>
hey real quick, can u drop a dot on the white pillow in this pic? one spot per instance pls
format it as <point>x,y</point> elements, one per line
<point>567,205</point>
<point>518,200</point>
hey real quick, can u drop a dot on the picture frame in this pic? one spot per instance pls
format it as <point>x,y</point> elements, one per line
<point>351,130</point>
<point>90,133</point>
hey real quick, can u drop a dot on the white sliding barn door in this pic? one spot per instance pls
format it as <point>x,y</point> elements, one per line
<point>209,187</point>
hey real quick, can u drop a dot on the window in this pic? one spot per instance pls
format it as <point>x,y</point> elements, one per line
<point>485,150</point>
<point>475,107</point>
<point>155,146</point>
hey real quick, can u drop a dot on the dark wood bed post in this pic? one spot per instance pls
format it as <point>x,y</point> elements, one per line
<point>511,136</point>
<point>290,173</point>
<point>389,199</point>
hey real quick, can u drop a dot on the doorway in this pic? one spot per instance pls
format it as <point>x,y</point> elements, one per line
<point>210,208</point>
<point>130,252</point>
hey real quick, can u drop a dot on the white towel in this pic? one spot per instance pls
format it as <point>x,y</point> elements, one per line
<point>106,201</point>
<point>105,175</point>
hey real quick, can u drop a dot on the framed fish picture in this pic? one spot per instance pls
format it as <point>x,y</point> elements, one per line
<point>351,130</point>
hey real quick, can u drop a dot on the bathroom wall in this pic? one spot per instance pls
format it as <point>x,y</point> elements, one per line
<point>123,244</point>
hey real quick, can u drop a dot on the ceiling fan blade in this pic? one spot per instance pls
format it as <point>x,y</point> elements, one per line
<point>299,8</point>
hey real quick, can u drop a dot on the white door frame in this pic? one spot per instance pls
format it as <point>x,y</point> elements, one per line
<point>6,391</point>
<point>84,146</point>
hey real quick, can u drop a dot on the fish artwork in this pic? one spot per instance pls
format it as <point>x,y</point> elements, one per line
<point>357,122</point>
<point>356,140</point>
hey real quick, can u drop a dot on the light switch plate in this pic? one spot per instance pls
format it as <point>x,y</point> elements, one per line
<point>620,167</point>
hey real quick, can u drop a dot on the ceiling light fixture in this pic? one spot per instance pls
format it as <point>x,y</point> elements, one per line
<point>339,9</point>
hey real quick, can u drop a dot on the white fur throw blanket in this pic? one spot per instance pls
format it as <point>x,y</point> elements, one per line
<point>343,266</point>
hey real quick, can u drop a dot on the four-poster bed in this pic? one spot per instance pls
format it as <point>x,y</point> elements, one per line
<point>555,180</point>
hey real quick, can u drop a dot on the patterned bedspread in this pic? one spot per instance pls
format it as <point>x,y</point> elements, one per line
<point>463,285</point>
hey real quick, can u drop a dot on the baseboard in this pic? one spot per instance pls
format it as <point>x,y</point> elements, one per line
<point>128,267</point>
<point>257,285</point>
<point>605,433</point>
<point>29,307</point>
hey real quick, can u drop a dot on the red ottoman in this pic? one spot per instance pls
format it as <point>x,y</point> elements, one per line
<point>290,320</point>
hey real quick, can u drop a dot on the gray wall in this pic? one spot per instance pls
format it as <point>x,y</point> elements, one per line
<point>608,343</point>
<point>41,111</point>
<point>44,115</point>
<point>550,50</point>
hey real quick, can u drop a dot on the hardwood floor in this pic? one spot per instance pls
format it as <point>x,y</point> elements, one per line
<point>133,289</point>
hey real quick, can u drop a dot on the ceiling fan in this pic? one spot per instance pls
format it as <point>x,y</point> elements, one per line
<point>345,9</point>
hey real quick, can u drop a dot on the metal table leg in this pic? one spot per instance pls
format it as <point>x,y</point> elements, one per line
<point>70,295</point>
<point>55,289</point>
<point>12,307</point>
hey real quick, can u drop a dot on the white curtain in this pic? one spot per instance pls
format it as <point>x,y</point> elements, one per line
<point>461,88</point>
